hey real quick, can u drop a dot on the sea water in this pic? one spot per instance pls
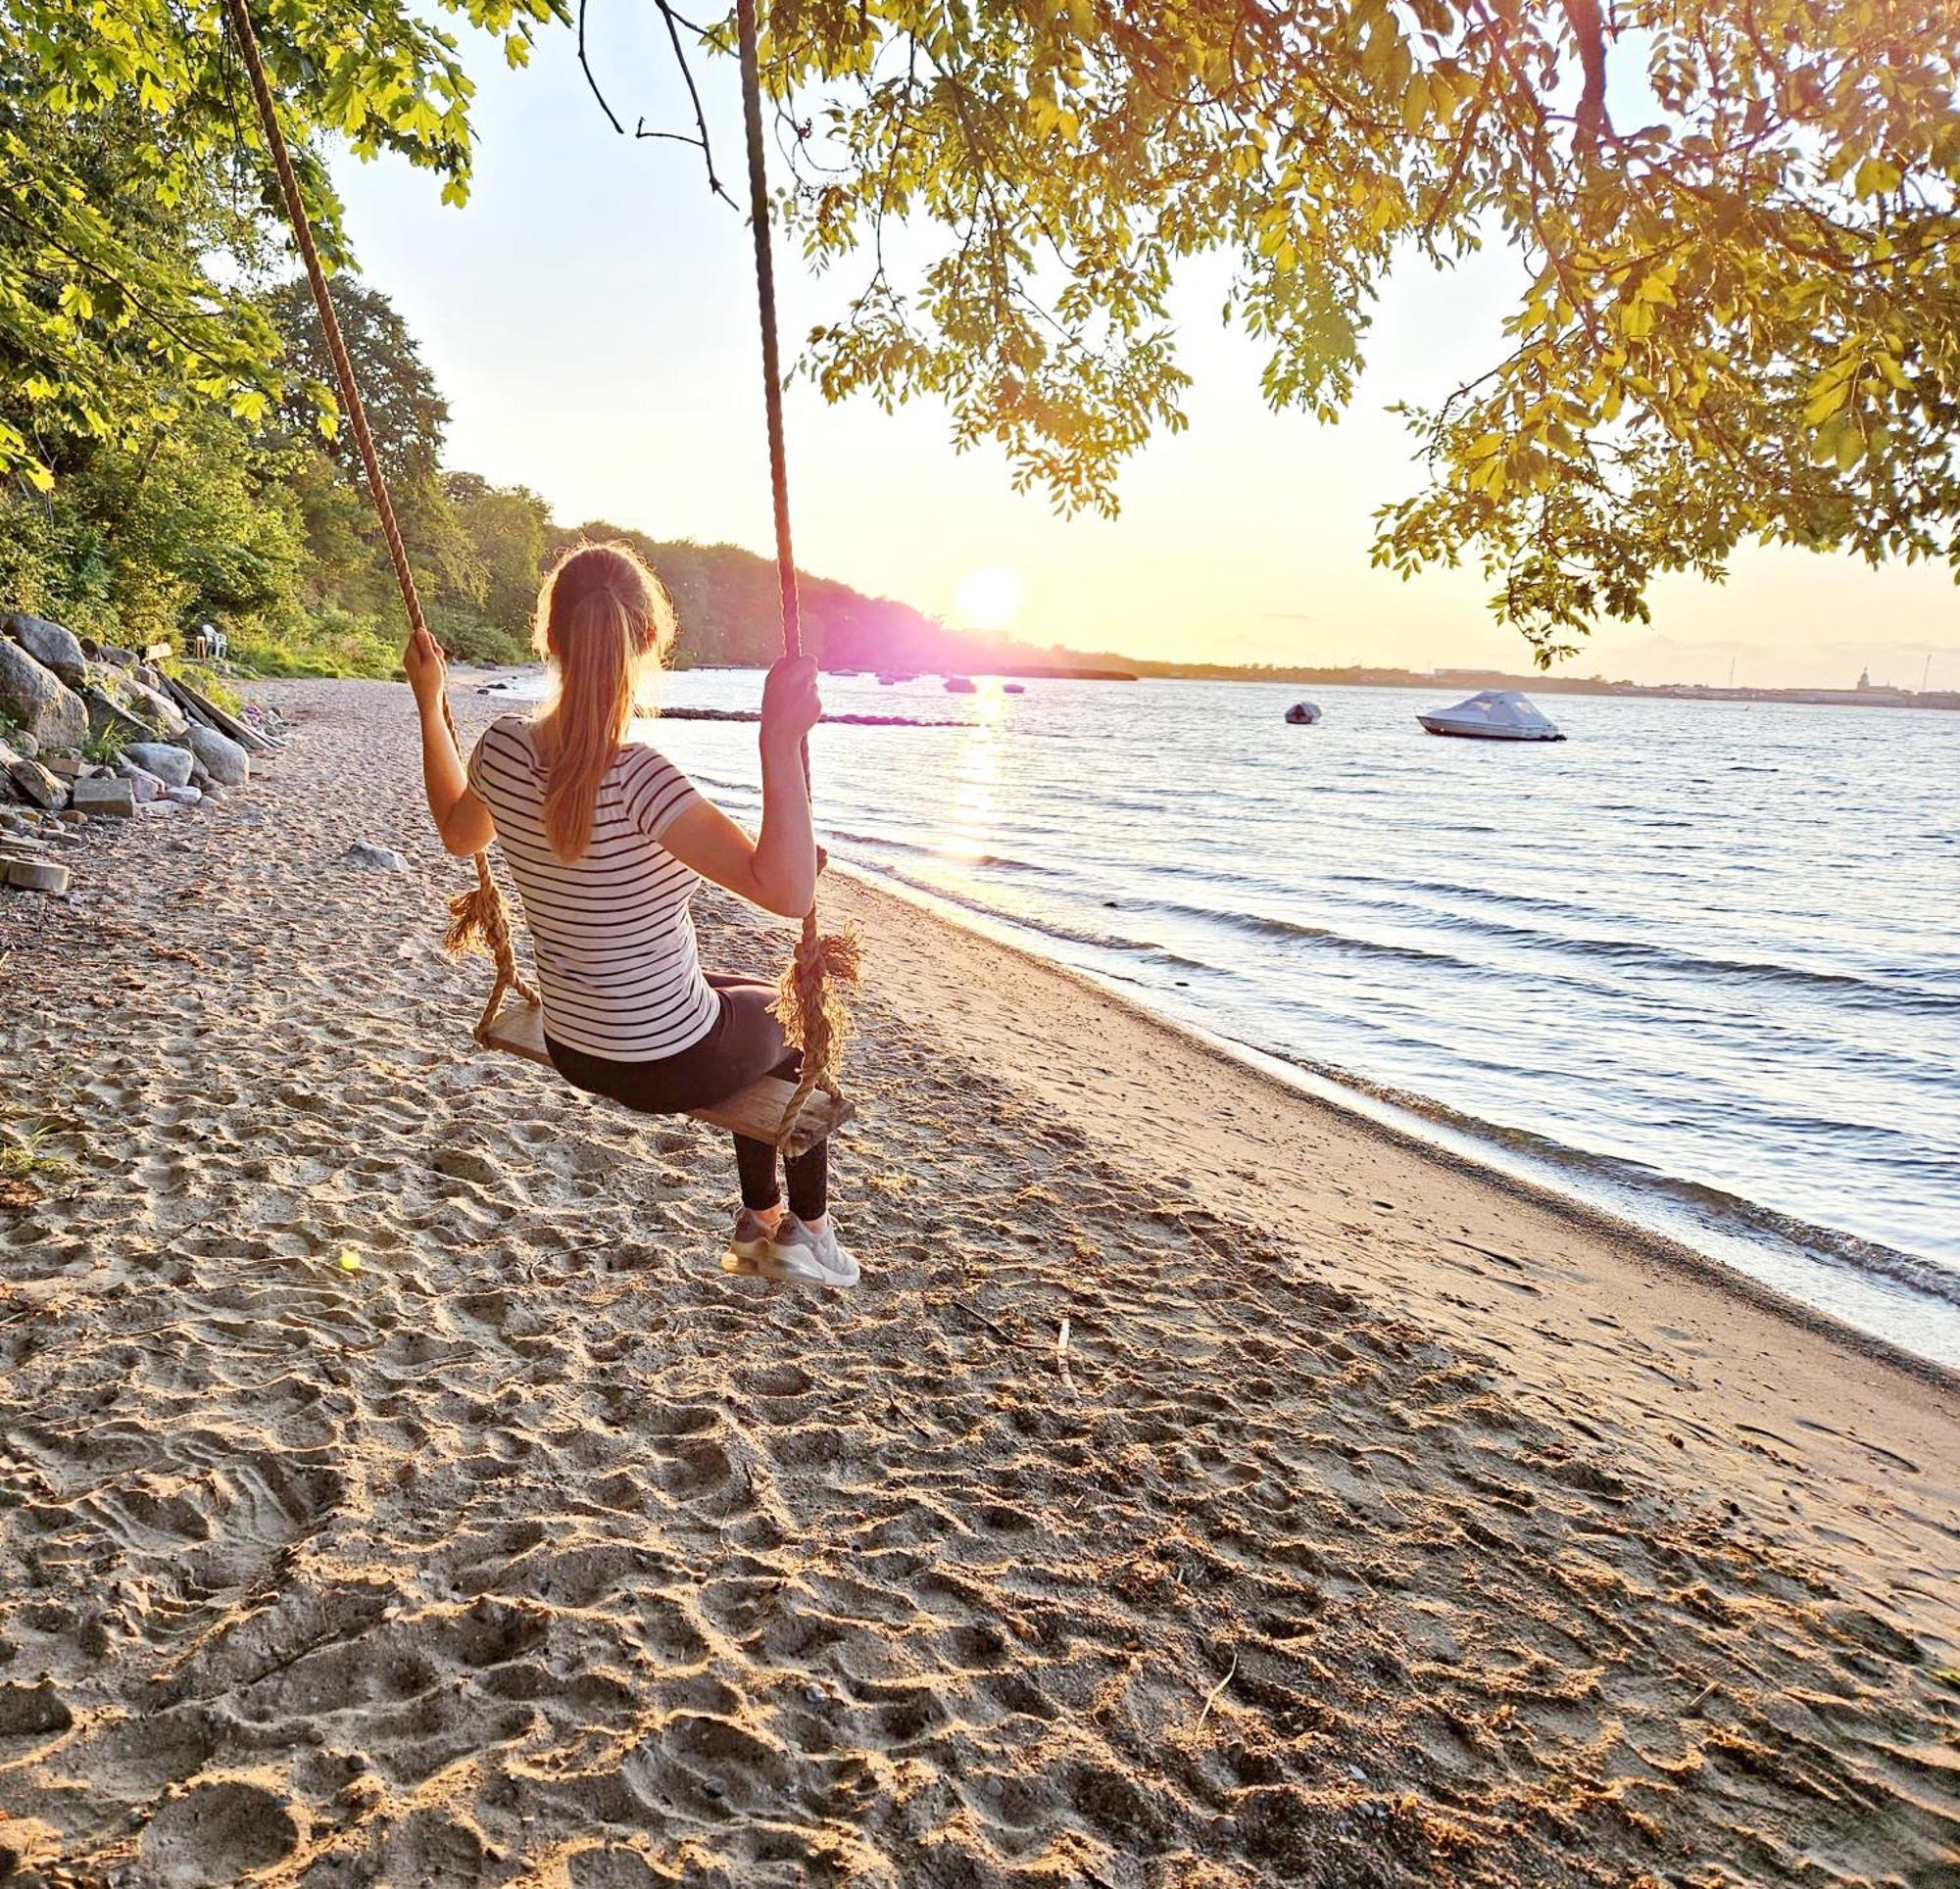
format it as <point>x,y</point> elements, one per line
<point>1698,964</point>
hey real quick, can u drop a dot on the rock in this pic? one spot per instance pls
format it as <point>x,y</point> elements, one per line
<point>36,875</point>
<point>67,766</point>
<point>39,786</point>
<point>170,763</point>
<point>364,852</point>
<point>120,700</point>
<point>26,747</point>
<point>183,796</point>
<point>112,799</point>
<point>35,698</point>
<point>51,646</point>
<point>222,757</point>
<point>75,817</point>
<point>146,785</point>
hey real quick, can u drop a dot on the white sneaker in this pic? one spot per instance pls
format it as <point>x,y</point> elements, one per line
<point>747,1244</point>
<point>798,1254</point>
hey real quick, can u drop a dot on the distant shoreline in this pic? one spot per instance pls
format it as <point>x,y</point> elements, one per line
<point>1457,681</point>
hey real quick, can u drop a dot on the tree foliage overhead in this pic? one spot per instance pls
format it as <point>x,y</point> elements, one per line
<point>1734,221</point>
<point>1734,224</point>
<point>134,218</point>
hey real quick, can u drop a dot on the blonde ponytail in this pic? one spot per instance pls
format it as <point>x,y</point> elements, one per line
<point>602,616</point>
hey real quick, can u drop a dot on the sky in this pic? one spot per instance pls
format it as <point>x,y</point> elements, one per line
<point>590,316</point>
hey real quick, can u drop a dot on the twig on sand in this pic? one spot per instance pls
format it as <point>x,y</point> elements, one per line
<point>980,1318</point>
<point>1211,1697</point>
<point>1062,1358</point>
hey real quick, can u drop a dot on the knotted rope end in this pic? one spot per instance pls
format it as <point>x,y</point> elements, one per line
<point>813,1006</point>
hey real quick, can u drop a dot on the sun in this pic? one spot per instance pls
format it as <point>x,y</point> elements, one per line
<point>989,597</point>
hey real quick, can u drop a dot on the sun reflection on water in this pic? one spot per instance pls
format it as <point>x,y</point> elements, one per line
<point>975,779</point>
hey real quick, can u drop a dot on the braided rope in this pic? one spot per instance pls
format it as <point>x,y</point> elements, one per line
<point>811,1000</point>
<point>479,919</point>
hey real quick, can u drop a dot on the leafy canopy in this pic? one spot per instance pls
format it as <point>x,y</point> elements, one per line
<point>1734,223</point>
<point>137,198</point>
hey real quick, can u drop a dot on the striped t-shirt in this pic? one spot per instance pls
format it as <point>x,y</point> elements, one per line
<point>617,960</point>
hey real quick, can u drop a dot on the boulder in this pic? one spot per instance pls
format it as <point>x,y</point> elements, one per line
<point>51,646</point>
<point>183,796</point>
<point>112,799</point>
<point>25,747</point>
<point>33,698</point>
<point>222,757</point>
<point>146,786</point>
<point>120,700</point>
<point>169,763</point>
<point>39,786</point>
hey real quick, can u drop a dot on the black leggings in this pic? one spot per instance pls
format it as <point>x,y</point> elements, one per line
<point>745,1044</point>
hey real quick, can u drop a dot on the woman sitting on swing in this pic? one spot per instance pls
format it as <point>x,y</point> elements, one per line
<point>607,840</point>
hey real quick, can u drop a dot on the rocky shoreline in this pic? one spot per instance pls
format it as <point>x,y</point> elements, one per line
<point>90,733</point>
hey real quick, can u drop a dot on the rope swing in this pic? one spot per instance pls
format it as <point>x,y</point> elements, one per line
<point>811,1002</point>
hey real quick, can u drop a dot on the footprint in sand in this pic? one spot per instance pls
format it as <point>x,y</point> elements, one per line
<point>221,1830</point>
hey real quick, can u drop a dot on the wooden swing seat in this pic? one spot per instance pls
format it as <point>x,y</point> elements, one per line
<point>518,1029</point>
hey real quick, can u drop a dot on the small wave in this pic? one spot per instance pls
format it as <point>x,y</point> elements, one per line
<point>1845,986</point>
<point>1021,922</point>
<point>1728,1211</point>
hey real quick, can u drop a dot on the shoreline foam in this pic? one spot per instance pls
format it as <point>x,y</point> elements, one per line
<point>1645,1209</point>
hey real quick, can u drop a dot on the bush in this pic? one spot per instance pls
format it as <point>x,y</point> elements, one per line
<point>333,642</point>
<point>469,637</point>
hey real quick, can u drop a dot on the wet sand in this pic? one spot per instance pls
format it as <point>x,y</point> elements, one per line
<point>1377,1524</point>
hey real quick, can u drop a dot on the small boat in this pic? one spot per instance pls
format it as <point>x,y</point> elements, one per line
<point>885,681</point>
<point>1302,715</point>
<point>959,684</point>
<point>1013,688</point>
<point>1492,714</point>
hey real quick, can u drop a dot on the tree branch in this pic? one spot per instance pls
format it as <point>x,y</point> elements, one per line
<point>585,65</point>
<point>1588,31</point>
<point>675,23</point>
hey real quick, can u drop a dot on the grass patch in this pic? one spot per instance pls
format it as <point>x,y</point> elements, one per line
<point>208,683</point>
<point>106,744</point>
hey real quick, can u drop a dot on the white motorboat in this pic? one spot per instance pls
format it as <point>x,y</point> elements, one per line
<point>1492,714</point>
<point>1302,715</point>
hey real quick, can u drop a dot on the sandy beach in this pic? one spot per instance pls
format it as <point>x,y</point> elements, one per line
<point>393,1489</point>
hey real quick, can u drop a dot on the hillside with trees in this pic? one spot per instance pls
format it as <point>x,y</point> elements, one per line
<point>258,520</point>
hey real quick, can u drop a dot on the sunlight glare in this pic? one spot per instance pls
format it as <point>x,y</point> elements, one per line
<point>989,597</point>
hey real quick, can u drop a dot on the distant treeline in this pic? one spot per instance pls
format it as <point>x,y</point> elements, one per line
<point>171,513</point>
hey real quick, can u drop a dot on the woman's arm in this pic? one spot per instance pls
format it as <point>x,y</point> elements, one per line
<point>776,871</point>
<point>463,820</point>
